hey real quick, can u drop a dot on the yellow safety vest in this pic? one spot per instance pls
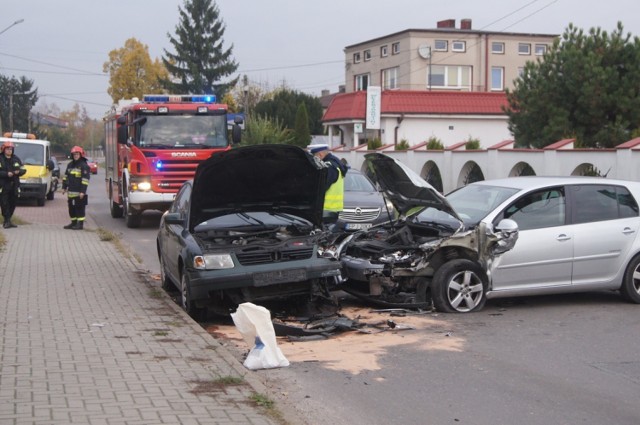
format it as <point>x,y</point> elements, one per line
<point>334,197</point>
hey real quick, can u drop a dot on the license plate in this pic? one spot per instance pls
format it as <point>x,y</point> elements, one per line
<point>357,226</point>
<point>279,276</point>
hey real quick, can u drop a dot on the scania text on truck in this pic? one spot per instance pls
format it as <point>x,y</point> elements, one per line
<point>155,145</point>
<point>38,182</point>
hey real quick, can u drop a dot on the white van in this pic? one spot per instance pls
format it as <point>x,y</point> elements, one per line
<point>35,155</point>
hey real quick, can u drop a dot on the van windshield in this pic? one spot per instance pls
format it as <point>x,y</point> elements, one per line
<point>29,154</point>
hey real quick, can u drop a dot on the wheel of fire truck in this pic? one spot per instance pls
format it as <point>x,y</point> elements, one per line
<point>131,218</point>
<point>116,209</point>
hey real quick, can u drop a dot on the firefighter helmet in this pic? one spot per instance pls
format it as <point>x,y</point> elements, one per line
<point>79,150</point>
<point>7,145</point>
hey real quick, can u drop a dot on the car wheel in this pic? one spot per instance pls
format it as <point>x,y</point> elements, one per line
<point>165,280</point>
<point>185,299</point>
<point>459,286</point>
<point>630,288</point>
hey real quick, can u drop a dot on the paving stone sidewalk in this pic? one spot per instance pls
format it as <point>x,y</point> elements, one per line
<point>85,338</point>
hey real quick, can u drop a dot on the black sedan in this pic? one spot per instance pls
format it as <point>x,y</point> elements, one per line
<point>247,228</point>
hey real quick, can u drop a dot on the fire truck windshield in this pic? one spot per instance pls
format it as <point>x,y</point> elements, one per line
<point>183,131</point>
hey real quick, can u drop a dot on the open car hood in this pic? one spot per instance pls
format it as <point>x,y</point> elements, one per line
<point>403,187</point>
<point>273,178</point>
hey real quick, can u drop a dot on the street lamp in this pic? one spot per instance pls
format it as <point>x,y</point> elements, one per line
<point>19,21</point>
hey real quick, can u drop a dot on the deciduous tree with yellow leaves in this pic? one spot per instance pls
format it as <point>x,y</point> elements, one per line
<point>132,72</point>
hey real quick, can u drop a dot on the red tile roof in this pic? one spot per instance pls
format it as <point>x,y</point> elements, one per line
<point>351,106</point>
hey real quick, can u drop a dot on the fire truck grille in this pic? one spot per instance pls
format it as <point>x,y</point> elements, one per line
<point>171,166</point>
<point>266,257</point>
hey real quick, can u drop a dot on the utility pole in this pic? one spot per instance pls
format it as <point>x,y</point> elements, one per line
<point>19,21</point>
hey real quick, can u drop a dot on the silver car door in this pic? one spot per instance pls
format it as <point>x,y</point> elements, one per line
<point>604,234</point>
<point>543,254</point>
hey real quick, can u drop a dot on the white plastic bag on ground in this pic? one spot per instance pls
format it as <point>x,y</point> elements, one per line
<point>254,323</point>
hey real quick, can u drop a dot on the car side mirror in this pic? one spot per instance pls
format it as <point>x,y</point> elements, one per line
<point>174,218</point>
<point>507,231</point>
<point>507,226</point>
<point>50,165</point>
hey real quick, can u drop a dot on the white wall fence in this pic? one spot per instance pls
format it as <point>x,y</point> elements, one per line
<point>456,166</point>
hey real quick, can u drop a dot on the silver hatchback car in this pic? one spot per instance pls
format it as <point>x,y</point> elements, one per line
<point>576,234</point>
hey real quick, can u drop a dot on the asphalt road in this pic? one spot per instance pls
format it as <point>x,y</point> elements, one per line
<point>569,359</point>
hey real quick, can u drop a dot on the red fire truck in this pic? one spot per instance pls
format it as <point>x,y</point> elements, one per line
<point>154,145</point>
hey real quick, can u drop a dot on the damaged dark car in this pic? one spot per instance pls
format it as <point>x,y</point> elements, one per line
<point>248,228</point>
<point>432,255</point>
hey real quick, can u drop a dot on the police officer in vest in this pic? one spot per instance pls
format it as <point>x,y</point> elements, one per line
<point>334,194</point>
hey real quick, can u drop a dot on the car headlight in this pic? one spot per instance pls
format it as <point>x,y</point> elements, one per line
<point>213,262</point>
<point>144,186</point>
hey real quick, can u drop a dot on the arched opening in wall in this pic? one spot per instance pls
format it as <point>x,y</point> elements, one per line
<point>586,169</point>
<point>470,173</point>
<point>431,174</point>
<point>522,169</point>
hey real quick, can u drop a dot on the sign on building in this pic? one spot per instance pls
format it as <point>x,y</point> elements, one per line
<point>374,94</point>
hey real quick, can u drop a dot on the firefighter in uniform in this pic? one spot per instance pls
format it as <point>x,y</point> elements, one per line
<point>75,182</point>
<point>11,169</point>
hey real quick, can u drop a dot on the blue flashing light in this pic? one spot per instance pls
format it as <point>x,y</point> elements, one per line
<point>167,98</point>
<point>159,165</point>
<point>207,98</point>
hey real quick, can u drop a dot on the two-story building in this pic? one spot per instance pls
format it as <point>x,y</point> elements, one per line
<point>415,67</point>
<point>443,58</point>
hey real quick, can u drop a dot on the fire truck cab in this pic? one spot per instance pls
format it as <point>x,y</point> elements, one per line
<point>154,145</point>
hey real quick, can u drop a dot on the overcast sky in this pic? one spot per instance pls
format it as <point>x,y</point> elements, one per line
<point>62,44</point>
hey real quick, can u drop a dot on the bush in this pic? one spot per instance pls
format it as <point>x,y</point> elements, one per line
<point>261,130</point>
<point>472,144</point>
<point>374,144</point>
<point>434,144</point>
<point>403,145</point>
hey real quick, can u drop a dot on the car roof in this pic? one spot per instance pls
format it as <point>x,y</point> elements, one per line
<point>532,182</point>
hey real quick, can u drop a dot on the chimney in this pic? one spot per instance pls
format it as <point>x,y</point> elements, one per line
<point>324,92</point>
<point>465,24</point>
<point>447,23</point>
<point>341,88</point>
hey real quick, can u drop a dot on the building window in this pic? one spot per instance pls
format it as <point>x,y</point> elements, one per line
<point>367,55</point>
<point>497,78</point>
<point>497,48</point>
<point>524,48</point>
<point>390,78</point>
<point>361,82</point>
<point>356,57</point>
<point>520,71</point>
<point>395,48</point>
<point>458,46</point>
<point>441,45</point>
<point>384,52</point>
<point>541,49</point>
<point>450,77</point>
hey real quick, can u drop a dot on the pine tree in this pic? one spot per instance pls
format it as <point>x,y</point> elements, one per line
<point>200,61</point>
<point>302,135</point>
